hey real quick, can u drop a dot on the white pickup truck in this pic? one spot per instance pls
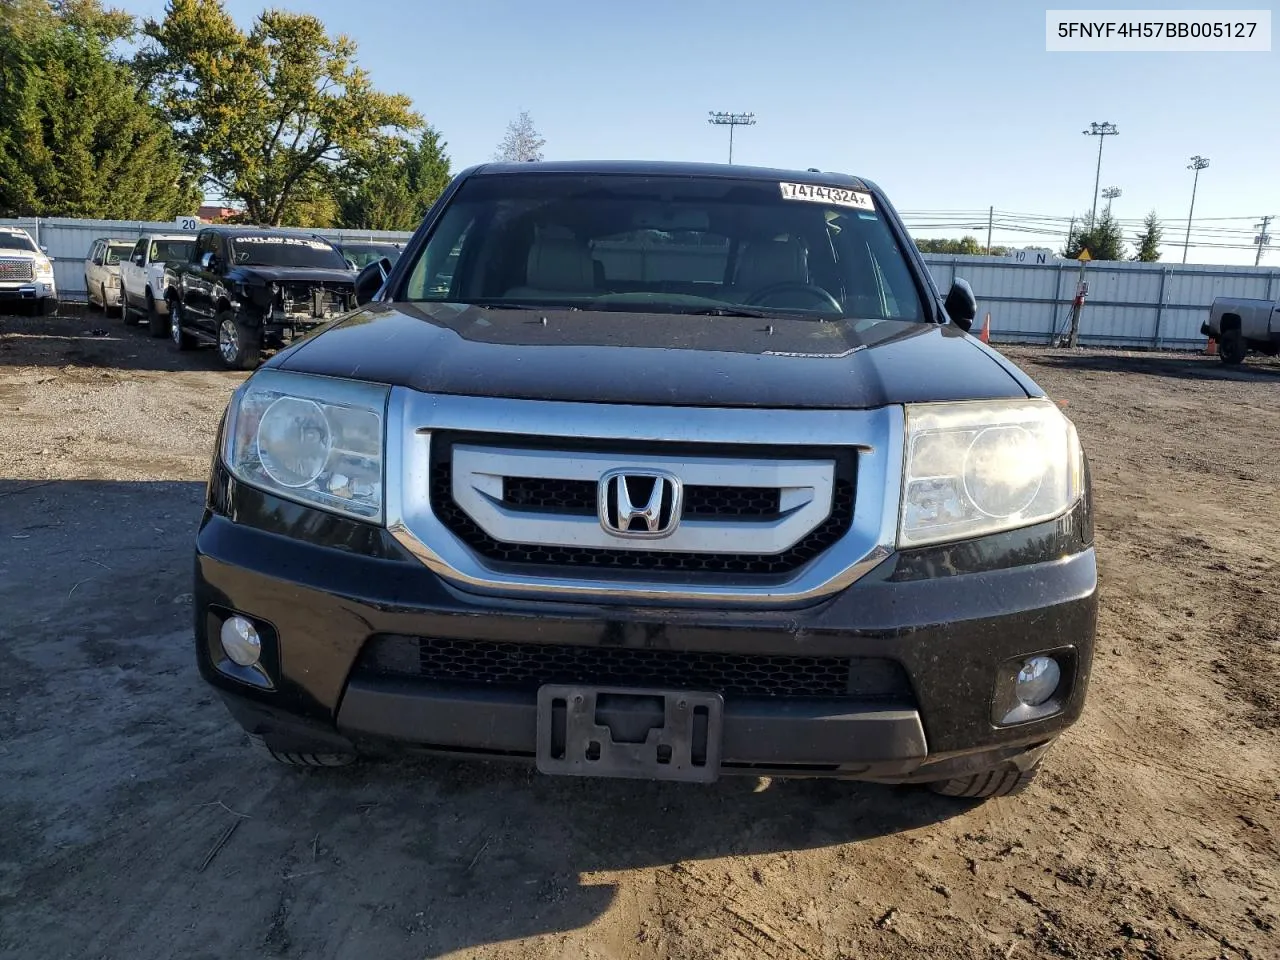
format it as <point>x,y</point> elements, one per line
<point>142,277</point>
<point>1241,325</point>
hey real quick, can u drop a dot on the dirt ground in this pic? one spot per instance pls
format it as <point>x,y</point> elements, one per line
<point>136,823</point>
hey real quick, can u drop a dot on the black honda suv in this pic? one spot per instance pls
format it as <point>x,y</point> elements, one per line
<point>653,470</point>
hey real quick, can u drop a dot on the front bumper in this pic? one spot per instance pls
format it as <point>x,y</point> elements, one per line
<point>28,290</point>
<point>319,605</point>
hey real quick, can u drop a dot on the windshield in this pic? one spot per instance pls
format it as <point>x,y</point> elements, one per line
<point>165,251</point>
<point>363,254</point>
<point>668,244</point>
<point>265,251</point>
<point>117,252</point>
<point>16,241</point>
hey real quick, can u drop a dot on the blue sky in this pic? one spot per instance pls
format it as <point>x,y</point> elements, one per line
<point>948,105</point>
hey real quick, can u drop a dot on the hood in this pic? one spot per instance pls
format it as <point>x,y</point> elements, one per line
<point>653,358</point>
<point>250,271</point>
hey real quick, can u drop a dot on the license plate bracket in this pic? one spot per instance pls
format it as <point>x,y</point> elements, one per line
<point>575,736</point>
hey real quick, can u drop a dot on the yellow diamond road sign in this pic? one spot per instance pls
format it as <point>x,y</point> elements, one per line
<point>1084,255</point>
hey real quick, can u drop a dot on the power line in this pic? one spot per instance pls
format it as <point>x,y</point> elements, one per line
<point>731,120</point>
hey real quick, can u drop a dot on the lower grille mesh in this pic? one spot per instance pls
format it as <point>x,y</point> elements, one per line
<point>526,666</point>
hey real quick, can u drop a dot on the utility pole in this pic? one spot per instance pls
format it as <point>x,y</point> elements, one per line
<point>1101,131</point>
<point>1262,239</point>
<point>991,212</point>
<point>731,120</point>
<point>1197,164</point>
<point>1109,194</point>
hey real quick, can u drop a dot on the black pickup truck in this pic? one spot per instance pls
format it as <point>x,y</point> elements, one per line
<point>245,289</point>
<point>653,470</point>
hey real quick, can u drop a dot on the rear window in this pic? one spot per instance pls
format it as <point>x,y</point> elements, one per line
<point>267,251</point>
<point>665,243</point>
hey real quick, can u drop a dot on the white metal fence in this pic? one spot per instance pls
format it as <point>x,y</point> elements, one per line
<point>68,242</point>
<point>1159,305</point>
<point>1129,304</point>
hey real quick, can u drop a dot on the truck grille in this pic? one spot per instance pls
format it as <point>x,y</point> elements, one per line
<point>526,666</point>
<point>810,546</point>
<point>16,270</point>
<point>579,497</point>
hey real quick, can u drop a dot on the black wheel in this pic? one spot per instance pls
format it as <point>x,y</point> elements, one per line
<point>304,759</point>
<point>177,335</point>
<point>124,306</point>
<point>157,323</point>
<point>1232,348</point>
<point>239,346</point>
<point>1001,782</point>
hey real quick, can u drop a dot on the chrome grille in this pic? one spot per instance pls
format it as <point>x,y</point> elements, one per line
<point>740,509</point>
<point>17,270</point>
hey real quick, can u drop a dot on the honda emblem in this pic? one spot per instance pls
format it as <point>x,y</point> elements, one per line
<point>640,504</point>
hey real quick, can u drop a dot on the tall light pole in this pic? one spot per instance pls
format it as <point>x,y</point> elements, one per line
<point>1109,194</point>
<point>1262,239</point>
<point>1101,131</point>
<point>1197,164</point>
<point>731,120</point>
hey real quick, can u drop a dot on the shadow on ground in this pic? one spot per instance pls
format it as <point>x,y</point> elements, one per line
<point>124,770</point>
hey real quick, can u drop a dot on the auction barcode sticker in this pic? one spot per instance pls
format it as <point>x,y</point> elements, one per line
<point>816,193</point>
<point>1178,31</point>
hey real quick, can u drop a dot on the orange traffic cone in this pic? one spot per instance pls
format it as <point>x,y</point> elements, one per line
<point>985,334</point>
<point>1211,348</point>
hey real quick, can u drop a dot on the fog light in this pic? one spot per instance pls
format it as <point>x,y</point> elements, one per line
<point>241,641</point>
<point>1037,680</point>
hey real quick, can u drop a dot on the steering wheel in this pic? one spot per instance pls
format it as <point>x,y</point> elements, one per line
<point>818,293</point>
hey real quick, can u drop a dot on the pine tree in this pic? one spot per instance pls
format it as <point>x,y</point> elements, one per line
<point>76,140</point>
<point>1102,239</point>
<point>1148,242</point>
<point>393,189</point>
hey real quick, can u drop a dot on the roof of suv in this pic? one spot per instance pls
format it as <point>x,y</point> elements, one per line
<point>675,169</point>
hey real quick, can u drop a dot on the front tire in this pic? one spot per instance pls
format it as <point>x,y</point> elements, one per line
<point>1006,781</point>
<point>179,337</point>
<point>1232,348</point>
<point>239,346</point>
<point>157,324</point>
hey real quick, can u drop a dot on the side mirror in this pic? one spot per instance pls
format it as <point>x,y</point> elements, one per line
<point>961,305</point>
<point>138,258</point>
<point>44,249</point>
<point>208,260</point>
<point>370,280</point>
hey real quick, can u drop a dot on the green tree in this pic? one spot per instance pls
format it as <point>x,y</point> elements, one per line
<point>393,189</point>
<point>1102,239</point>
<point>270,117</point>
<point>967,245</point>
<point>75,139</point>
<point>1148,241</point>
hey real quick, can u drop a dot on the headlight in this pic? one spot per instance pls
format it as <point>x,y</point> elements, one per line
<point>44,268</point>
<point>979,468</point>
<point>113,280</point>
<point>312,439</point>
